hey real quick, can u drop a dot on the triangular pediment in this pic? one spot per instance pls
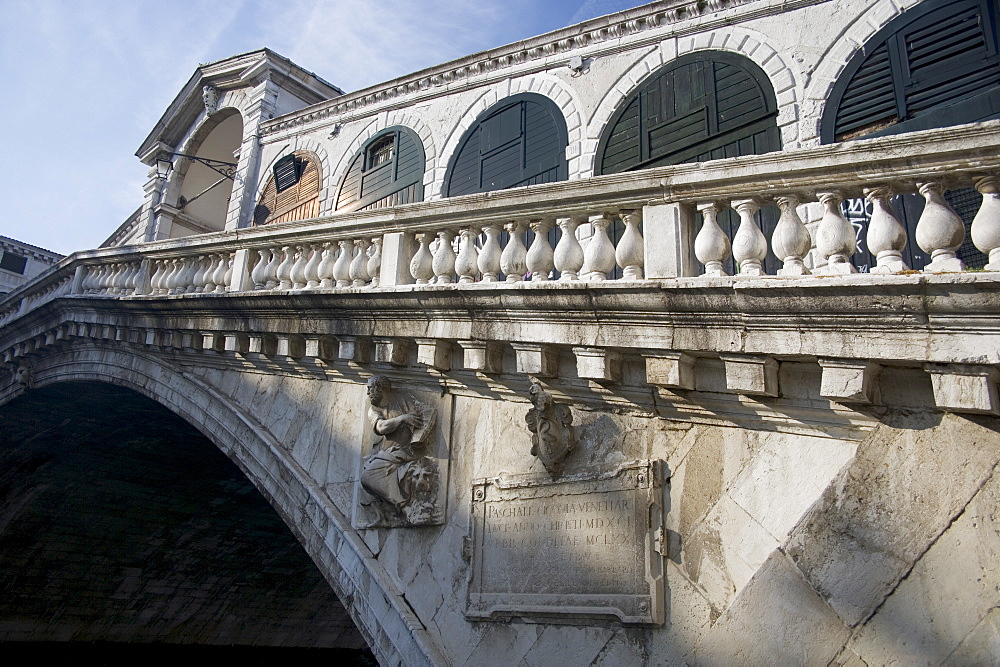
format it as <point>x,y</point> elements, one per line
<point>243,71</point>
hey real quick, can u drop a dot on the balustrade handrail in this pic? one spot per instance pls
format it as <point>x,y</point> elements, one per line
<point>948,155</point>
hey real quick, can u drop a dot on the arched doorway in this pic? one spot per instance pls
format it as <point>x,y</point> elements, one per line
<point>200,193</point>
<point>125,525</point>
<point>520,140</point>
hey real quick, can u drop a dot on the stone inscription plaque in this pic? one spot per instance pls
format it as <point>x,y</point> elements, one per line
<point>579,546</point>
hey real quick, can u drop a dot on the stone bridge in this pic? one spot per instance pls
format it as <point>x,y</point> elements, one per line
<point>674,465</point>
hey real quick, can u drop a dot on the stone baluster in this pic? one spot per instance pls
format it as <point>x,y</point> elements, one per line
<point>186,280</point>
<point>198,274</point>
<point>886,237</point>
<point>835,237</point>
<point>940,231</point>
<point>630,253</point>
<point>568,255</point>
<point>99,275</point>
<point>127,286</point>
<point>168,276</point>
<point>155,280</point>
<point>168,268</point>
<point>326,275</point>
<point>177,278</point>
<point>285,268</point>
<point>124,281</point>
<point>111,281</point>
<point>342,267</point>
<point>599,257</point>
<point>790,239</point>
<point>121,280</point>
<point>711,245</point>
<point>422,264</point>
<point>986,224</point>
<point>100,278</point>
<point>259,273</point>
<point>173,278</point>
<point>489,256</point>
<point>540,259</point>
<point>749,243</point>
<point>312,266</point>
<point>205,279</point>
<point>513,259</point>
<point>375,261</point>
<point>224,273</point>
<point>298,274</point>
<point>467,263</point>
<point>271,271</point>
<point>359,265</point>
<point>106,280</point>
<point>110,277</point>
<point>444,257</point>
<point>89,280</point>
<point>202,275</point>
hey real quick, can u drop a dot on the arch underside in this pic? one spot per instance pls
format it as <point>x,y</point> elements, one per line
<point>126,525</point>
<point>378,611</point>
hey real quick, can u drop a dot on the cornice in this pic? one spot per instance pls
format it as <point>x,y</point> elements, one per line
<point>640,26</point>
<point>28,250</point>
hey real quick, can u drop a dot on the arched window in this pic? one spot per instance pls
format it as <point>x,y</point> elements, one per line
<point>388,171</point>
<point>933,66</point>
<point>521,140</point>
<point>703,106</point>
<point>299,201</point>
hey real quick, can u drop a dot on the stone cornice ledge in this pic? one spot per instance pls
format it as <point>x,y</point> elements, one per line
<point>900,320</point>
<point>601,34</point>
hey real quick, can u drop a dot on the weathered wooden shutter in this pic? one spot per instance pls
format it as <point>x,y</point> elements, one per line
<point>298,202</point>
<point>389,182</point>
<point>934,66</point>
<point>519,141</point>
<point>701,107</point>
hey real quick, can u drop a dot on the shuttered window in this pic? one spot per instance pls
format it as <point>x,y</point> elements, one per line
<point>519,141</point>
<point>704,106</point>
<point>298,202</point>
<point>934,66</point>
<point>388,171</point>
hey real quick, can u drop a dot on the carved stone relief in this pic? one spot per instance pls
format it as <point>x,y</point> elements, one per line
<point>210,96</point>
<point>551,426</point>
<point>404,459</point>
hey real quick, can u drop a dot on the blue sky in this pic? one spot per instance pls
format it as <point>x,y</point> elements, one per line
<point>85,80</point>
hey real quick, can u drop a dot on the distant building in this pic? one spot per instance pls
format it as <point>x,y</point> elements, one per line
<point>19,262</point>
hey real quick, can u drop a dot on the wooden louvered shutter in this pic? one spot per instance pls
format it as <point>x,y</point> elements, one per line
<point>701,107</point>
<point>519,141</point>
<point>299,202</point>
<point>934,66</point>
<point>394,178</point>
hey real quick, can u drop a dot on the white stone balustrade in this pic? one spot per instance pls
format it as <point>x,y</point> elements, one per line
<point>652,213</point>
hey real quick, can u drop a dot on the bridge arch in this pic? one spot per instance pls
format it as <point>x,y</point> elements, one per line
<point>378,609</point>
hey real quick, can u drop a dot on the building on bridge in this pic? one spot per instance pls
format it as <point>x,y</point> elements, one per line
<point>565,351</point>
<point>20,262</point>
